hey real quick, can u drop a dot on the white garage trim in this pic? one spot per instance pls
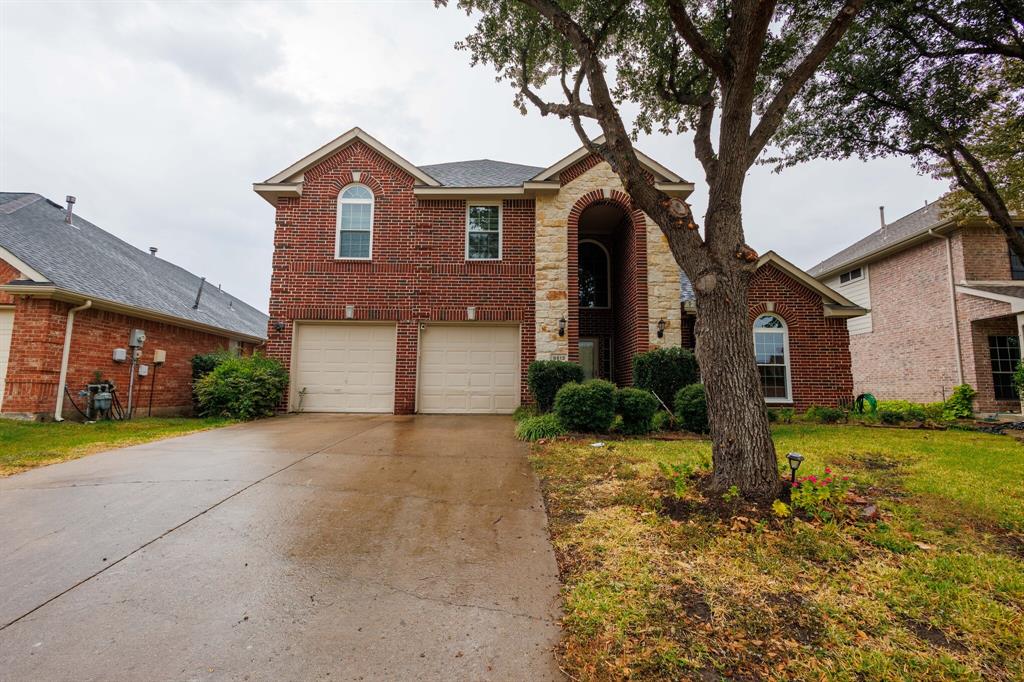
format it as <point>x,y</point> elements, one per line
<point>344,366</point>
<point>469,368</point>
<point>6,331</point>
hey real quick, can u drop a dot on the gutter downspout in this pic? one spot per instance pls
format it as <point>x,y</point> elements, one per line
<point>59,408</point>
<point>952,304</point>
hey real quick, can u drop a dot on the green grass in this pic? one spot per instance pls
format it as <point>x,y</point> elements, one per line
<point>25,445</point>
<point>933,591</point>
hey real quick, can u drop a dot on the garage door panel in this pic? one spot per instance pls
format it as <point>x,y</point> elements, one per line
<point>469,369</point>
<point>344,368</point>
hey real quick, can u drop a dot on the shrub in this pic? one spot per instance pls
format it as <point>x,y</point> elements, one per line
<point>204,364</point>
<point>545,377</point>
<point>820,498</point>
<point>824,415</point>
<point>904,411</point>
<point>1018,379</point>
<point>663,421</point>
<point>524,411</point>
<point>588,407</point>
<point>664,371</point>
<point>960,405</point>
<point>242,388</point>
<point>692,408</point>
<point>889,416</point>
<point>540,426</point>
<point>773,416</point>
<point>637,408</point>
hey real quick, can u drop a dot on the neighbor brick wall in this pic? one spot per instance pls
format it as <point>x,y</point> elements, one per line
<point>37,345</point>
<point>7,273</point>
<point>418,272</point>
<point>982,254</point>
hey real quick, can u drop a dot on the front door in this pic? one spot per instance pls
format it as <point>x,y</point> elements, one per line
<point>588,358</point>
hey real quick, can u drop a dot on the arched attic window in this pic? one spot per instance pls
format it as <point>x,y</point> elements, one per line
<point>771,348</point>
<point>594,275</point>
<point>355,223</point>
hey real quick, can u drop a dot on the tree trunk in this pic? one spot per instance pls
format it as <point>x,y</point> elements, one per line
<point>742,449</point>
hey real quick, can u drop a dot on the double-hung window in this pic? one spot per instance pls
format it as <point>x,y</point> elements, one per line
<point>355,223</point>
<point>483,232</point>
<point>1004,352</point>
<point>771,347</point>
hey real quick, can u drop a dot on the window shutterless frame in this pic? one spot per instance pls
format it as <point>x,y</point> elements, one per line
<point>854,275</point>
<point>355,199</point>
<point>470,205</point>
<point>787,361</point>
<point>608,272</point>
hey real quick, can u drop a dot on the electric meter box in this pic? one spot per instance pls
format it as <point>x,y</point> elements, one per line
<point>143,370</point>
<point>120,355</point>
<point>159,357</point>
<point>137,338</point>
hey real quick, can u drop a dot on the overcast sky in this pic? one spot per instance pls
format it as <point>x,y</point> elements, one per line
<point>159,117</point>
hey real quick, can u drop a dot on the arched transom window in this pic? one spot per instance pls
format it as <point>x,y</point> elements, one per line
<point>771,348</point>
<point>355,222</point>
<point>593,275</point>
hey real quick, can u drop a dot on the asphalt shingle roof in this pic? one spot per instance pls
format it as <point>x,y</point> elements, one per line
<point>1016,291</point>
<point>89,261</point>
<point>906,227</point>
<point>481,173</point>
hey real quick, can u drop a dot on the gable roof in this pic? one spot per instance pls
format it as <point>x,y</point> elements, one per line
<point>836,305</point>
<point>481,173</point>
<point>85,260</point>
<point>582,152</point>
<point>909,226</point>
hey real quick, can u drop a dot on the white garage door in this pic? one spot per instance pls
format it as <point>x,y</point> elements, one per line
<point>344,368</point>
<point>6,327</point>
<point>469,369</point>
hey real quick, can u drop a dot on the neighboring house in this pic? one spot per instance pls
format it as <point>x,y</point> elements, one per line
<point>801,341</point>
<point>403,288</point>
<point>947,305</point>
<point>73,293</point>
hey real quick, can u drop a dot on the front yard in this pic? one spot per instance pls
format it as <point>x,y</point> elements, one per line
<point>667,586</point>
<point>25,445</point>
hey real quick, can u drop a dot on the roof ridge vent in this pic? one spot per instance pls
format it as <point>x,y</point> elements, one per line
<point>69,214</point>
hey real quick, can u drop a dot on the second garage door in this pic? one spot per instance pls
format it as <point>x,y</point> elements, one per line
<point>344,368</point>
<point>469,369</point>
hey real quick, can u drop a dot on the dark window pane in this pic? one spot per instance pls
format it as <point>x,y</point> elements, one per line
<point>483,245</point>
<point>1016,266</point>
<point>353,244</point>
<point>773,381</point>
<point>593,276</point>
<point>1004,353</point>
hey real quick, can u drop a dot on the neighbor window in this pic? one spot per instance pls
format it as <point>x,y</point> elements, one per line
<point>483,232</point>
<point>851,276</point>
<point>593,275</point>
<point>355,222</point>
<point>1005,354</point>
<point>771,348</point>
<point>1016,265</point>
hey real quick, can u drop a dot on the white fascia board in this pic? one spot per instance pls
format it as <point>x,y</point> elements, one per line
<point>22,267</point>
<point>1016,304</point>
<point>273,191</point>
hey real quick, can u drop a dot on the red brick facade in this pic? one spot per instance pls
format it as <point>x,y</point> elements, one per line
<point>418,272</point>
<point>37,344</point>
<point>819,351</point>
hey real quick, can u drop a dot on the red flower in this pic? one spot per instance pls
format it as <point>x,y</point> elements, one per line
<point>827,470</point>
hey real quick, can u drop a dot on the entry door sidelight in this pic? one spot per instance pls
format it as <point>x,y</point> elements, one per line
<point>589,358</point>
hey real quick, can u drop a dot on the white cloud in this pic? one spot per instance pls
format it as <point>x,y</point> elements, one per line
<point>160,116</point>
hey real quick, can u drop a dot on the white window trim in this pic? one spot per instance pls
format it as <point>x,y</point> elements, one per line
<point>608,262</point>
<point>337,221</point>
<point>852,279</point>
<point>501,231</point>
<point>788,400</point>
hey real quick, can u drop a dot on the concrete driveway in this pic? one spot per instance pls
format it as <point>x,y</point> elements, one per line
<point>303,547</point>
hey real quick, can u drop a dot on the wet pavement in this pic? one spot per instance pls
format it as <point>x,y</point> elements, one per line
<point>305,547</point>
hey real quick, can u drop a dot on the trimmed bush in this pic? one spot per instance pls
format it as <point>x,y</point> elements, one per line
<point>540,426</point>
<point>545,377</point>
<point>637,408</point>
<point>663,421</point>
<point>664,371</point>
<point>204,364</point>
<point>960,405</point>
<point>588,407</point>
<point>824,415</point>
<point>691,405</point>
<point>242,388</point>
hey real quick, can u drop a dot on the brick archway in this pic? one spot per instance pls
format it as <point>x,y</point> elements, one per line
<point>629,283</point>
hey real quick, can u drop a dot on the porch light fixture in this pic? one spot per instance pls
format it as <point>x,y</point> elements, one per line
<point>278,326</point>
<point>561,326</point>
<point>795,458</point>
<point>661,328</point>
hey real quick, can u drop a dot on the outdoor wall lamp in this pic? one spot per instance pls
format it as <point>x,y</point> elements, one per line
<point>795,458</point>
<point>661,328</point>
<point>561,326</point>
<point>279,326</point>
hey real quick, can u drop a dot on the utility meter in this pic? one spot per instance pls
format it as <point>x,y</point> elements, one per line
<point>137,338</point>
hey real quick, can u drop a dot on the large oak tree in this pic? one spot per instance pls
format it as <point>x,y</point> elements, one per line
<point>688,64</point>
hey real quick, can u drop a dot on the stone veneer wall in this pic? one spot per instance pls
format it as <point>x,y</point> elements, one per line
<point>551,265</point>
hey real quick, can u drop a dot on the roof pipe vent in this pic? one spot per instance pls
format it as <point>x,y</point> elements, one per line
<point>152,250</point>
<point>199,294</point>
<point>69,214</point>
<point>881,215</point>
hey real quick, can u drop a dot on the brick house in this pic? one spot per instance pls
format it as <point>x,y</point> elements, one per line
<point>800,335</point>
<point>403,288</point>
<point>73,293</point>
<point>947,307</point>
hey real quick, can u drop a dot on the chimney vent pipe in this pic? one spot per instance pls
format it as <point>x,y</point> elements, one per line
<point>881,215</point>
<point>69,214</point>
<point>152,251</point>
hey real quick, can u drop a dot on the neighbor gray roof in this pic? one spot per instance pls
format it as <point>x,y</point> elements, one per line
<point>84,259</point>
<point>481,173</point>
<point>910,225</point>
<point>1014,290</point>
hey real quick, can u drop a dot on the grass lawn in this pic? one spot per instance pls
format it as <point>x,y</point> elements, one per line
<point>25,445</point>
<point>658,587</point>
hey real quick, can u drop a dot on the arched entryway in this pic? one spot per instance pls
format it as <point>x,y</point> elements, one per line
<point>607,286</point>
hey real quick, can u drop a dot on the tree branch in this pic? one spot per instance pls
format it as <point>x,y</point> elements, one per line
<point>704,50</point>
<point>776,109</point>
